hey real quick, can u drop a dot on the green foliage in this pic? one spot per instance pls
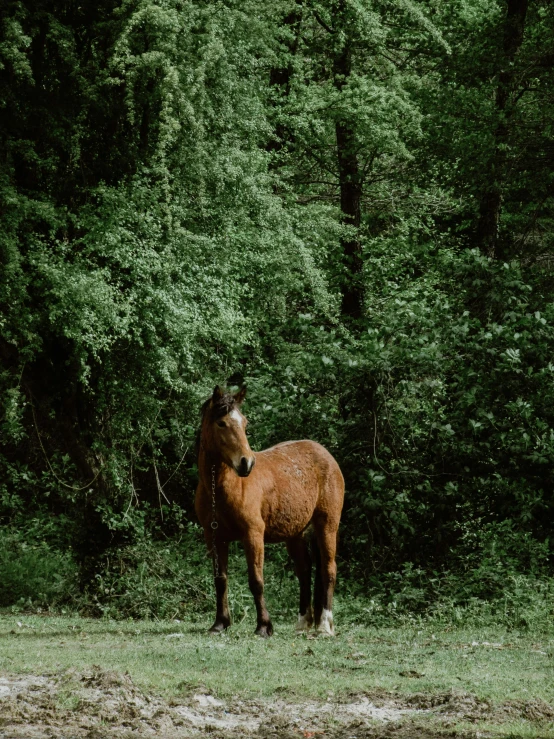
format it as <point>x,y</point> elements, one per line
<point>172,216</point>
<point>460,421</point>
<point>152,580</point>
<point>173,579</point>
<point>34,575</point>
<point>414,597</point>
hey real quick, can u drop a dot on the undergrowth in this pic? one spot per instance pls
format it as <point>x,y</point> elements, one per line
<point>172,579</point>
<point>34,574</point>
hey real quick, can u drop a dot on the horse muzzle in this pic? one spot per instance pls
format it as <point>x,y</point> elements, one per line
<point>245,466</point>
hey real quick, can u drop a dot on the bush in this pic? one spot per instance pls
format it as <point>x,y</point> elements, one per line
<point>173,579</point>
<point>35,574</point>
<point>412,596</point>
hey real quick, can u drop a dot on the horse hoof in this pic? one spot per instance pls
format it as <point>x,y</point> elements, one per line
<point>326,627</point>
<point>265,631</point>
<point>304,622</point>
<point>218,628</point>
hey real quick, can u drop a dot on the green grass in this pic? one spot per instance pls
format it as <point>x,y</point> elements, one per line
<point>172,658</point>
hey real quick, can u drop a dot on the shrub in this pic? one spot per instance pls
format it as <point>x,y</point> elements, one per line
<point>34,574</point>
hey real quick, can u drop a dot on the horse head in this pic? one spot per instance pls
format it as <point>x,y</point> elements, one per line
<point>224,430</point>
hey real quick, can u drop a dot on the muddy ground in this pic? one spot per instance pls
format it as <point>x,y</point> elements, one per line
<point>100,704</point>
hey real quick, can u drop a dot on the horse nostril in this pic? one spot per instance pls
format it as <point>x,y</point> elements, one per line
<point>245,466</point>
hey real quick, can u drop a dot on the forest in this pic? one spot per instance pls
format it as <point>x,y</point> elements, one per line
<point>346,206</point>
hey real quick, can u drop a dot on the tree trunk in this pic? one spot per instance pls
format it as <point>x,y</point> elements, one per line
<point>279,77</point>
<point>491,200</point>
<point>350,183</point>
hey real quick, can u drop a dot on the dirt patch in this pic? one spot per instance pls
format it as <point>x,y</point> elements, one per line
<point>467,707</point>
<point>100,704</point>
<point>461,706</point>
<point>536,710</point>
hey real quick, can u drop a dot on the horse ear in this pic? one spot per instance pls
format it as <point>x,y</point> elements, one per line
<point>217,394</point>
<point>241,395</point>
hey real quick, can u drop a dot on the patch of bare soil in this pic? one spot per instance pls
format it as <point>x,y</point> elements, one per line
<point>100,704</point>
<point>467,707</point>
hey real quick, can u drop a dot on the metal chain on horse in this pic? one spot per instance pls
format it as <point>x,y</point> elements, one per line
<point>214,526</point>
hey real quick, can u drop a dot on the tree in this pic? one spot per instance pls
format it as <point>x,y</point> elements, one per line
<point>509,79</point>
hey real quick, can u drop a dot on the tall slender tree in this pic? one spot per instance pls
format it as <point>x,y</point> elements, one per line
<point>350,178</point>
<point>509,78</point>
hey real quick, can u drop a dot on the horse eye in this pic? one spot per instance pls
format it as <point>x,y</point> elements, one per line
<point>221,424</point>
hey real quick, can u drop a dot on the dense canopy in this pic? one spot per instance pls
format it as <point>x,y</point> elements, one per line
<point>347,205</point>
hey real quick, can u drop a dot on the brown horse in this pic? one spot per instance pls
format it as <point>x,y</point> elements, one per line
<point>269,496</point>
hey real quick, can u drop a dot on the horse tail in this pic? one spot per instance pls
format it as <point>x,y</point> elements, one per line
<point>318,581</point>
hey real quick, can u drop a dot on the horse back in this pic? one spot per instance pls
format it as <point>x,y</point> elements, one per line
<point>297,480</point>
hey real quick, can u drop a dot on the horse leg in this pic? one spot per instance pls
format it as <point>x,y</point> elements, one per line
<point>327,545</point>
<point>300,554</point>
<point>318,581</point>
<point>222,615</point>
<point>254,549</point>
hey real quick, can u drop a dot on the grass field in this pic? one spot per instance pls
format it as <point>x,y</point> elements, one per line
<point>508,675</point>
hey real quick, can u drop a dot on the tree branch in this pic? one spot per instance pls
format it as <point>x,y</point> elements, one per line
<point>322,23</point>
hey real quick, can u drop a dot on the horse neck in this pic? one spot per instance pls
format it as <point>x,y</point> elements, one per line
<point>211,463</point>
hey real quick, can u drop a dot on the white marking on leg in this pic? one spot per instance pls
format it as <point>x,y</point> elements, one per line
<point>326,626</point>
<point>305,621</point>
<point>235,415</point>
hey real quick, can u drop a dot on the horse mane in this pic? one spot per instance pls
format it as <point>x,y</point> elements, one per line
<point>221,407</point>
